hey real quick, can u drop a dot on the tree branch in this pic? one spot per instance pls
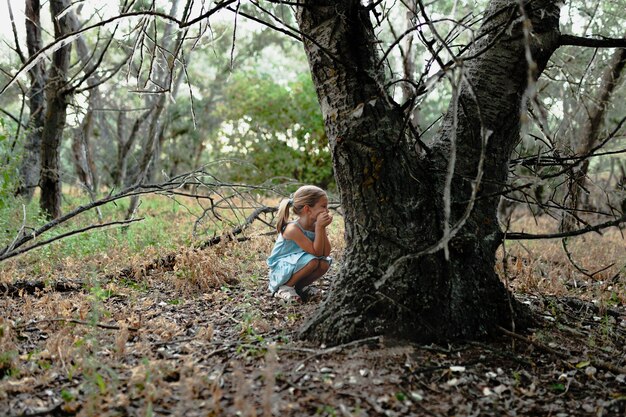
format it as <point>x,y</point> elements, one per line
<point>603,42</point>
<point>584,230</point>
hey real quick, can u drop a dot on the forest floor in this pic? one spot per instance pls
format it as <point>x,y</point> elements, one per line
<point>204,338</point>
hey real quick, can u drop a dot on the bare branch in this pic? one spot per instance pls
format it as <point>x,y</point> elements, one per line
<point>18,49</point>
<point>603,42</point>
<point>584,230</point>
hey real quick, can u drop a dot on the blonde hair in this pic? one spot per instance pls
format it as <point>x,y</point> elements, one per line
<point>307,195</point>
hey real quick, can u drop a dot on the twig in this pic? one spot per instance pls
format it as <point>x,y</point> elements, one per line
<point>535,343</point>
<point>75,321</point>
<point>171,342</point>
<point>338,348</point>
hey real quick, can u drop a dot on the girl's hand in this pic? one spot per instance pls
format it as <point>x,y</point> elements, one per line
<point>324,219</point>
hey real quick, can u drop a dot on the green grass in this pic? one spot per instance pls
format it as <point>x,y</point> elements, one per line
<point>165,227</point>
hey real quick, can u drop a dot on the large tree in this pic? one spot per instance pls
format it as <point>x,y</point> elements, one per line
<point>57,100</point>
<point>421,225</point>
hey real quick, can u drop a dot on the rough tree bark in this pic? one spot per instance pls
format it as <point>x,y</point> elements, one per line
<point>390,282</point>
<point>56,110</point>
<point>31,163</point>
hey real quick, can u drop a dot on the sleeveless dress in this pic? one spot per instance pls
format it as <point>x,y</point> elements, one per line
<point>287,258</point>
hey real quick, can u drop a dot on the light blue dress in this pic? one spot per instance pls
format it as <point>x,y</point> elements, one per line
<point>287,258</point>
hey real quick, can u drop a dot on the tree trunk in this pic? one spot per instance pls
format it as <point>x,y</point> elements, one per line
<point>57,100</point>
<point>31,163</point>
<point>406,271</point>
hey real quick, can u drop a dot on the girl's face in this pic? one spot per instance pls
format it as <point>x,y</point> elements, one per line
<point>320,207</point>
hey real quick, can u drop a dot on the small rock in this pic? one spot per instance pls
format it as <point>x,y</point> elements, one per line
<point>416,396</point>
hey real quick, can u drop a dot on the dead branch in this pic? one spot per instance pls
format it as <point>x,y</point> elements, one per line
<point>592,42</point>
<point>75,321</point>
<point>31,287</point>
<point>239,229</point>
<point>334,349</point>
<point>584,230</point>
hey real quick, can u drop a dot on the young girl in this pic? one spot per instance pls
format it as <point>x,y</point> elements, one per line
<point>300,254</point>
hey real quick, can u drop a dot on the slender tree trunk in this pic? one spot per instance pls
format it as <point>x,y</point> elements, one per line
<point>82,151</point>
<point>391,280</point>
<point>587,138</point>
<point>31,163</point>
<point>57,100</point>
<point>125,144</point>
<point>81,144</point>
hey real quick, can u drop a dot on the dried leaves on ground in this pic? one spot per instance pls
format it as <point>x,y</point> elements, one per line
<point>205,339</point>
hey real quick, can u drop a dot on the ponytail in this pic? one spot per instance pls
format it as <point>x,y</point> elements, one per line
<point>283,214</point>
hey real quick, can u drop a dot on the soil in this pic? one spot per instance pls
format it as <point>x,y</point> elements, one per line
<point>235,351</point>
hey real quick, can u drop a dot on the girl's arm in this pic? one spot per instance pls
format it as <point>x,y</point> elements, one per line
<point>319,247</point>
<point>323,220</point>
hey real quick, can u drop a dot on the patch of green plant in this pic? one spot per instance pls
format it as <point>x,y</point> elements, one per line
<point>7,359</point>
<point>100,294</point>
<point>400,396</point>
<point>44,364</point>
<point>67,396</point>
<point>557,387</point>
<point>141,286</point>
<point>326,410</point>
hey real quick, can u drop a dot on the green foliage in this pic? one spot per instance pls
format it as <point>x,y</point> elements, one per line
<point>277,128</point>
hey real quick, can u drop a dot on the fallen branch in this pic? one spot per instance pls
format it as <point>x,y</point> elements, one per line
<point>165,263</point>
<point>75,321</point>
<point>31,287</point>
<point>239,229</point>
<point>168,261</point>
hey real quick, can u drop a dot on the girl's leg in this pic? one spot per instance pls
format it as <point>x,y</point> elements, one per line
<point>308,274</point>
<point>322,268</point>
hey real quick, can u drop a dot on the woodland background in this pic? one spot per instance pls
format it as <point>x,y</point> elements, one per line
<point>138,182</point>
